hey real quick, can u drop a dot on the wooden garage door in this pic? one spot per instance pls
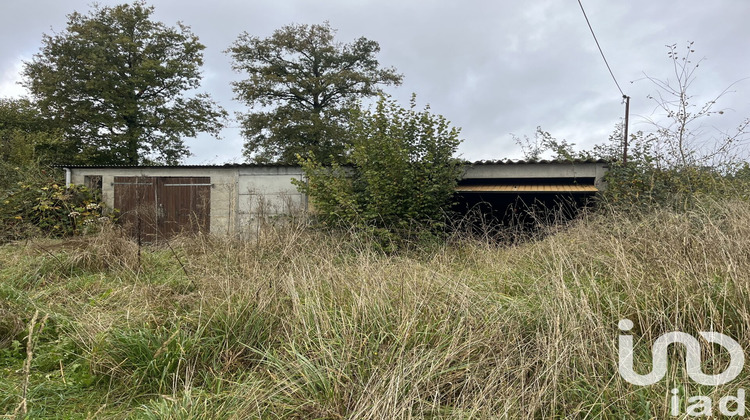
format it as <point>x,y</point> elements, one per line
<point>160,207</point>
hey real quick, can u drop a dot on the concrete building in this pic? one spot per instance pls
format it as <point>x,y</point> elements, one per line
<point>520,192</point>
<point>231,199</point>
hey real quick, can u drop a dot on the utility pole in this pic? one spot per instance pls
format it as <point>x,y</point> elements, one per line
<point>625,139</point>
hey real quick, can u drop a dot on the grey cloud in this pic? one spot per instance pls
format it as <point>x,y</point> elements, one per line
<point>493,68</point>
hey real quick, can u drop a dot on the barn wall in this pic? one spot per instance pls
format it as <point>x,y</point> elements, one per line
<point>553,170</point>
<point>266,192</point>
<point>241,197</point>
<point>223,191</point>
<point>245,196</point>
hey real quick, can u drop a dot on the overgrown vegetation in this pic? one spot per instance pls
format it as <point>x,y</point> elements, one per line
<point>399,177</point>
<point>34,203</point>
<point>684,156</point>
<point>301,324</point>
<point>644,181</point>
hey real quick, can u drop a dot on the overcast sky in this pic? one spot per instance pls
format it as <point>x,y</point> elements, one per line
<point>493,68</point>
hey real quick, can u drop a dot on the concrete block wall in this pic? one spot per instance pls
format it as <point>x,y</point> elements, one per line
<point>267,192</point>
<point>243,197</point>
<point>223,191</point>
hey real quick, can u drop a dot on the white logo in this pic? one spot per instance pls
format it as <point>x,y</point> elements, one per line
<point>698,405</point>
<point>692,357</point>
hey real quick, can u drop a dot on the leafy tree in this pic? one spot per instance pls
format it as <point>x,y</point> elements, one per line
<point>304,83</point>
<point>25,136</point>
<point>115,82</point>
<point>399,178</point>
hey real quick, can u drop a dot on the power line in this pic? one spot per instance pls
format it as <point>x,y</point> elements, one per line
<point>600,48</point>
<point>624,96</point>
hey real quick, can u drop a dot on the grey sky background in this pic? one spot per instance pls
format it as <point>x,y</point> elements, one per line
<point>493,68</point>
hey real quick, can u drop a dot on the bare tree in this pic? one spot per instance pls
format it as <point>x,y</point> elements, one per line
<point>684,136</point>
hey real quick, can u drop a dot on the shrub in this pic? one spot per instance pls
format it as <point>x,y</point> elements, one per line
<point>400,176</point>
<point>40,205</point>
<point>646,180</point>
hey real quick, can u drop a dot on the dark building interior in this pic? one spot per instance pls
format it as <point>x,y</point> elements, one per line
<point>521,203</point>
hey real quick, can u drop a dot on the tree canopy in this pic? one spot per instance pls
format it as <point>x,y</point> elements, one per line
<point>25,136</point>
<point>116,82</point>
<point>301,84</point>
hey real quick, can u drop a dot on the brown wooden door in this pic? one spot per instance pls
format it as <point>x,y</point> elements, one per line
<point>183,204</point>
<point>160,207</point>
<point>135,197</point>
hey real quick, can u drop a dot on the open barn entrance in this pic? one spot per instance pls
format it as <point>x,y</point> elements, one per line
<point>520,203</point>
<point>525,195</point>
<point>153,208</point>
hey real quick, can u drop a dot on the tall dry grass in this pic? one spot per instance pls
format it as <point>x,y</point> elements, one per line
<point>302,324</point>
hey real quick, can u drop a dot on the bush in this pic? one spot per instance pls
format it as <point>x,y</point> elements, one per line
<point>648,181</point>
<point>400,176</point>
<point>40,205</point>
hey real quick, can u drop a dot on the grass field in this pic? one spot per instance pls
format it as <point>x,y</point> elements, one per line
<point>301,324</point>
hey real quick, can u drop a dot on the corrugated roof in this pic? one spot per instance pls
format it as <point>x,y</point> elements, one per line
<point>226,165</point>
<point>503,188</point>
<point>537,161</point>
<point>257,165</point>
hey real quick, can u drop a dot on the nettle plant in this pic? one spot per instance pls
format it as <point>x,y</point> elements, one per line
<point>45,207</point>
